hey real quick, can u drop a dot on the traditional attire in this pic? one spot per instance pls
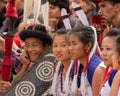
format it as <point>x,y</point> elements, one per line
<point>86,78</point>
<point>107,86</point>
<point>63,86</point>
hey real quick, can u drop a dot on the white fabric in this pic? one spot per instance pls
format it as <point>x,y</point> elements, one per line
<point>102,65</point>
<point>59,93</point>
<point>56,85</point>
<point>55,79</point>
<point>67,79</point>
<point>105,90</point>
<point>85,88</point>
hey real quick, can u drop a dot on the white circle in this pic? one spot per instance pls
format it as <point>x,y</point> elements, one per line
<point>44,71</point>
<point>25,88</point>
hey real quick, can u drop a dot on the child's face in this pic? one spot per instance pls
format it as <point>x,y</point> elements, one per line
<point>76,47</point>
<point>107,50</point>
<point>61,48</point>
<point>115,58</point>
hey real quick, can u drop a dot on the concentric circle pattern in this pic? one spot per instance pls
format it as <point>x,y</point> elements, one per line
<point>25,88</point>
<point>44,71</point>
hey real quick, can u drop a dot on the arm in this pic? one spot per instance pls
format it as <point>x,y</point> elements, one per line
<point>26,63</point>
<point>115,85</point>
<point>97,80</point>
<point>22,71</point>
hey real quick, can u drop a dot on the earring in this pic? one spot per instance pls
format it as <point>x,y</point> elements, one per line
<point>118,62</point>
<point>86,52</point>
<point>87,60</point>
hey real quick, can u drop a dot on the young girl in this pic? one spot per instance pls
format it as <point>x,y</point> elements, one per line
<point>115,88</point>
<point>63,77</point>
<point>81,42</point>
<point>107,47</point>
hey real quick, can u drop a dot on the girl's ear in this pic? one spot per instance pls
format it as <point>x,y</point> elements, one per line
<point>88,46</point>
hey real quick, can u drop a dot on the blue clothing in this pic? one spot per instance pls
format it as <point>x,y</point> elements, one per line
<point>93,64</point>
<point>110,79</point>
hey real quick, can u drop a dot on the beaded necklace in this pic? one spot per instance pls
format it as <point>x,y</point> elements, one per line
<point>64,87</point>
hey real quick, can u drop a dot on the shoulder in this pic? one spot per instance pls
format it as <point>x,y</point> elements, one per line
<point>92,67</point>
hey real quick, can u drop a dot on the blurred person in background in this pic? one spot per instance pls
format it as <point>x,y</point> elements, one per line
<point>2,10</point>
<point>110,10</point>
<point>19,8</point>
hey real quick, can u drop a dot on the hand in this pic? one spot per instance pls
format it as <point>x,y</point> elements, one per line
<point>105,22</point>
<point>4,85</point>
<point>25,59</point>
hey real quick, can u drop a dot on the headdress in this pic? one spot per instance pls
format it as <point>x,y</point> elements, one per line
<point>81,15</point>
<point>38,32</point>
<point>65,19</point>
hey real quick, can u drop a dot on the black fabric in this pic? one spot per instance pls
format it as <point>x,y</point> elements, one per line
<point>2,17</point>
<point>43,1</point>
<point>46,39</point>
<point>78,8</point>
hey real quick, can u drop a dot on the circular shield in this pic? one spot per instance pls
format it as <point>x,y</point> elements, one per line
<point>44,71</point>
<point>25,88</point>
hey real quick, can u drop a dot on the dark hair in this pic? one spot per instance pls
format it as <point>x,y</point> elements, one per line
<point>117,43</point>
<point>38,32</point>
<point>112,33</point>
<point>114,2</point>
<point>61,32</point>
<point>60,3</point>
<point>84,34</point>
<point>38,27</point>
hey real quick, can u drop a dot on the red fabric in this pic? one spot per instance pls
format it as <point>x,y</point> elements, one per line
<point>7,60</point>
<point>104,32</point>
<point>96,19</point>
<point>54,67</point>
<point>76,67</point>
<point>99,39</point>
<point>11,9</point>
<point>106,76</point>
<point>17,40</point>
<point>118,62</point>
<point>87,61</point>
